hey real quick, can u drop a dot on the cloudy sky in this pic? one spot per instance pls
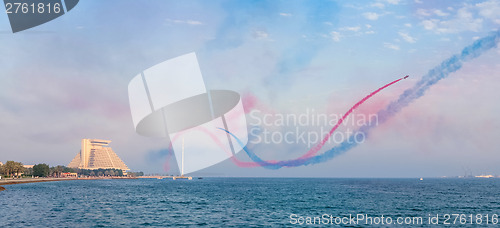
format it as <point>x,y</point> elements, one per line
<point>67,79</point>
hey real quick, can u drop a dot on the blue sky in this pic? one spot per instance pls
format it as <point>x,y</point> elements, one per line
<point>67,79</point>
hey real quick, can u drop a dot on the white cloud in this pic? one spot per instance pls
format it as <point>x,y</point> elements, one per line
<point>259,34</point>
<point>475,38</point>
<point>353,29</point>
<point>464,20</point>
<point>192,22</point>
<point>407,37</point>
<point>393,2</point>
<point>423,12</point>
<point>335,36</point>
<point>429,24</point>
<point>408,25</point>
<point>490,10</point>
<point>352,6</point>
<point>189,22</point>
<point>418,1</point>
<point>378,5</point>
<point>328,23</point>
<point>286,14</point>
<point>440,13</point>
<point>356,30</point>
<point>371,16</point>
<point>431,12</point>
<point>391,46</point>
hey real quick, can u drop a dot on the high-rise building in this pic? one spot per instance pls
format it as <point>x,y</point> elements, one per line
<point>96,154</point>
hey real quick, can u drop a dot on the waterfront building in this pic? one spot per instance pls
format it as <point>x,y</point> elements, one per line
<point>96,154</point>
<point>69,175</point>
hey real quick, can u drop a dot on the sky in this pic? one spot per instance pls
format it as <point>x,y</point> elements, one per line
<point>67,79</point>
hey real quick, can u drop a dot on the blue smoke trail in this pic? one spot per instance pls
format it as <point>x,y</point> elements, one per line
<point>434,75</point>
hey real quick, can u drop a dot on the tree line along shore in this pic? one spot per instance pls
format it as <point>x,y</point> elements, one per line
<point>16,170</point>
<point>16,173</point>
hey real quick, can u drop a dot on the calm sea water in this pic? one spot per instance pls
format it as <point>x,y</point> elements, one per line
<point>238,202</point>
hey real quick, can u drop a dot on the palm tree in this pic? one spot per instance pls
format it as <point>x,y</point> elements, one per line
<point>58,170</point>
<point>8,167</point>
<point>18,168</point>
<point>12,167</point>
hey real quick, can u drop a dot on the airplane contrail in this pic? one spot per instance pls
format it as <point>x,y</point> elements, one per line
<point>434,75</point>
<point>313,150</point>
<point>310,153</point>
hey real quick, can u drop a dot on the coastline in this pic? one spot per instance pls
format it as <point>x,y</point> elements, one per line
<point>31,180</point>
<point>35,180</point>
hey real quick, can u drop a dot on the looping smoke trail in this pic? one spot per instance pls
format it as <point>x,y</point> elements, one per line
<point>434,75</point>
<point>315,149</point>
<point>309,154</point>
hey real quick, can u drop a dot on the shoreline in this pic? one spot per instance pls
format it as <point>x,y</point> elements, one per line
<point>36,180</point>
<point>31,180</point>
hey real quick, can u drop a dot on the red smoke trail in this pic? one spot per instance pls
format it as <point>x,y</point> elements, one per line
<point>309,153</point>
<point>249,101</point>
<point>320,145</point>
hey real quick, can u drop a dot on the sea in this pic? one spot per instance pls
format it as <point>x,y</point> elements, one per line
<point>253,202</point>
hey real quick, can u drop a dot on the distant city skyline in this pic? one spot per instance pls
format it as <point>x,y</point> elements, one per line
<point>67,79</point>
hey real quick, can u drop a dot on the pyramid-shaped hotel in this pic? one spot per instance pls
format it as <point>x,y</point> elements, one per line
<point>96,154</point>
